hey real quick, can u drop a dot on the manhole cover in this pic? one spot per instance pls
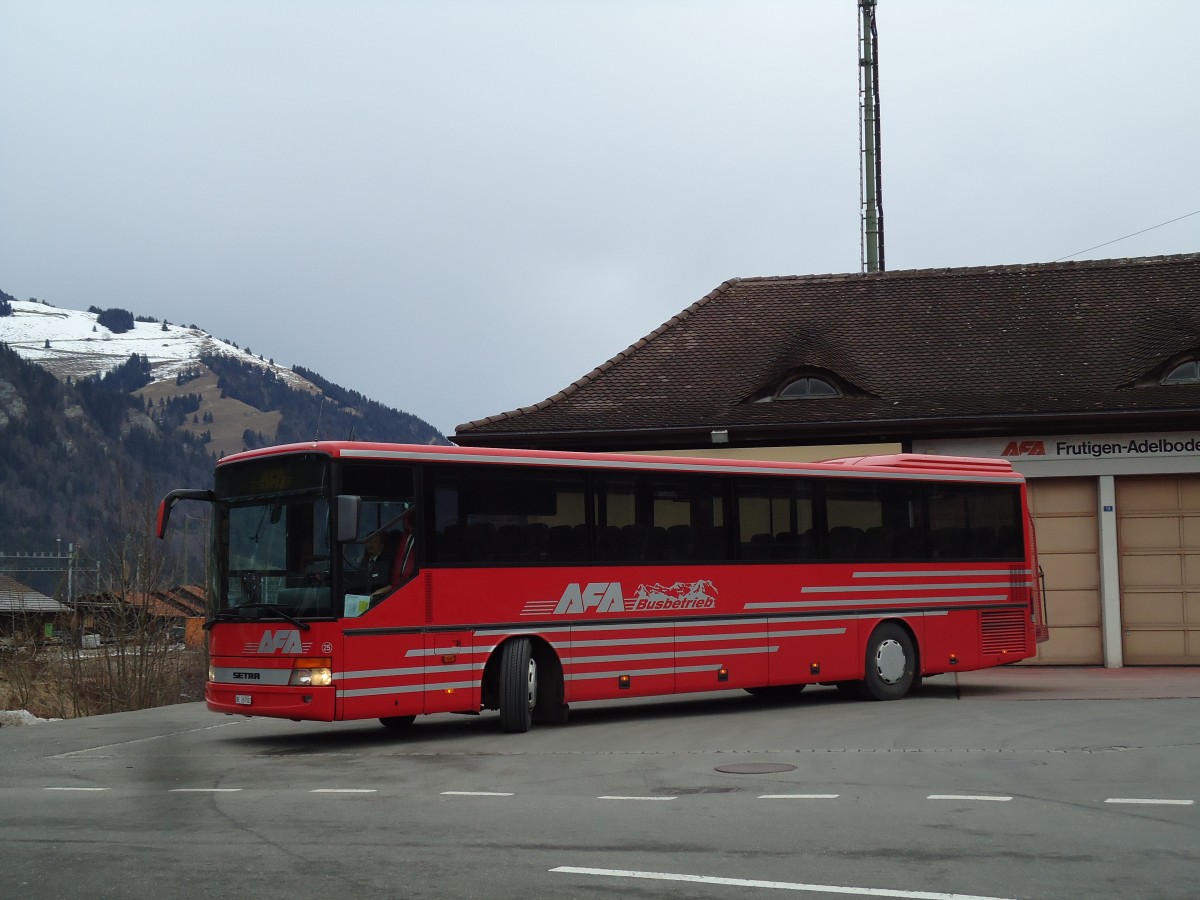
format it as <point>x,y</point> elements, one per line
<point>755,768</point>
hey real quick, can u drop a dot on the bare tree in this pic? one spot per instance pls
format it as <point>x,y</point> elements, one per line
<point>128,654</point>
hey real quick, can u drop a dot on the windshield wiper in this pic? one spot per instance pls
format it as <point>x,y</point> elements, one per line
<point>233,613</point>
<point>223,616</point>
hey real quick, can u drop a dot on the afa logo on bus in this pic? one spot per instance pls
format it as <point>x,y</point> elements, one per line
<point>285,640</point>
<point>608,597</point>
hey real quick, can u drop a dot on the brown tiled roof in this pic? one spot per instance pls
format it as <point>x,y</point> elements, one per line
<point>185,601</point>
<point>953,351</point>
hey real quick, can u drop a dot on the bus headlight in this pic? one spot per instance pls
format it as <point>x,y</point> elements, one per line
<point>312,672</point>
<point>212,673</point>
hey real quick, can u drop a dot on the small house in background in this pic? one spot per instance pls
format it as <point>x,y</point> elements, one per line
<point>189,599</point>
<point>26,614</point>
<point>176,613</point>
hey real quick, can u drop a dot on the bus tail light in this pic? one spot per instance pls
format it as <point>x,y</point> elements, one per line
<point>312,672</point>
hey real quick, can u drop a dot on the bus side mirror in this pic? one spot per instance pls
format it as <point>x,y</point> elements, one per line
<point>347,517</point>
<point>169,501</point>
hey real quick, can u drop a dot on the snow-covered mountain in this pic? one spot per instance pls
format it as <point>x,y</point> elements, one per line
<point>72,343</point>
<point>73,446</point>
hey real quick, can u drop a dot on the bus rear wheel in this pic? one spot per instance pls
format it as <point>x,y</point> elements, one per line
<point>518,686</point>
<point>891,663</point>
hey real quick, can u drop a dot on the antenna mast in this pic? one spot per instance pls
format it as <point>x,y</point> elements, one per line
<point>871,173</point>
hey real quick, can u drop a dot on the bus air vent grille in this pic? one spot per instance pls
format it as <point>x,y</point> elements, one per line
<point>1003,631</point>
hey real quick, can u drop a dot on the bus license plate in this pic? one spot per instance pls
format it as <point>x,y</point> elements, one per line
<point>241,699</point>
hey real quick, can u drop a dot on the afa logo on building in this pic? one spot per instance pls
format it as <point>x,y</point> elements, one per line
<point>1025,448</point>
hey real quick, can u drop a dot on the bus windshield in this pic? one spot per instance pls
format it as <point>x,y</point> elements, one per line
<point>274,542</point>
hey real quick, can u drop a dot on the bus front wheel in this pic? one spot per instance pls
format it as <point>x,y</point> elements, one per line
<point>891,663</point>
<point>518,685</point>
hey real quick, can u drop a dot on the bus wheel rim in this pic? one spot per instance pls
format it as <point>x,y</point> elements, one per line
<point>533,683</point>
<point>890,661</point>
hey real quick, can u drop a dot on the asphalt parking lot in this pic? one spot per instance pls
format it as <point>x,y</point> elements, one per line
<point>1018,782</point>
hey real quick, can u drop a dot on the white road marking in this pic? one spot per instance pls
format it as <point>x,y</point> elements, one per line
<point>1149,801</point>
<point>967,797</point>
<point>156,737</point>
<point>621,797</point>
<point>76,789</point>
<point>798,796</point>
<point>772,885</point>
<point>344,791</point>
<point>477,793</point>
<point>205,790</point>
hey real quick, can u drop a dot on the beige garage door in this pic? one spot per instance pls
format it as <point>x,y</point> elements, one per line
<point>1158,535</point>
<point>1064,516</point>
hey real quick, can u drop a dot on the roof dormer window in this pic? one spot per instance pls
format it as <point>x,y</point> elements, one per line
<point>807,387</point>
<point>1185,373</point>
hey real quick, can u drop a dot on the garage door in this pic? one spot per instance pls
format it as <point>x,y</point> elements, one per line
<point>1064,515</point>
<point>1158,535</point>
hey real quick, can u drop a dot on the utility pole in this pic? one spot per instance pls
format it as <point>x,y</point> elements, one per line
<point>871,173</point>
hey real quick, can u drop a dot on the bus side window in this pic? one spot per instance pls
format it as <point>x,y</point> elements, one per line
<point>505,516</point>
<point>776,518</point>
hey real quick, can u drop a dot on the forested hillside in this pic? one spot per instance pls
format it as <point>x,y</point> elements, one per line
<point>73,454</point>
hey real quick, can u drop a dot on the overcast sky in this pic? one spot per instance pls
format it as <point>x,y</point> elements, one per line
<point>458,208</point>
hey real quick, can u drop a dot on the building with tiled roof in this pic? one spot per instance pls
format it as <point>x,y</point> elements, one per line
<point>913,353</point>
<point>1086,375</point>
<point>17,599</point>
<point>24,612</point>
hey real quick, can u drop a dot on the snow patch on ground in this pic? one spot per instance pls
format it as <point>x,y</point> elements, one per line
<point>21,717</point>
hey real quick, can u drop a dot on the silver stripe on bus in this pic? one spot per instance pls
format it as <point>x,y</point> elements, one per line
<point>626,657</point>
<point>619,642</point>
<point>934,573</point>
<point>402,673</point>
<point>379,673</point>
<point>878,601</point>
<point>728,651</point>
<point>620,657</point>
<point>408,689</point>
<point>724,623</point>
<point>947,586</point>
<point>749,635</point>
<point>586,676</point>
<point>506,632</point>
<point>470,650</point>
<point>808,632</point>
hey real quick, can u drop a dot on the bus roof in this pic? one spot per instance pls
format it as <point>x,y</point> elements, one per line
<point>899,465</point>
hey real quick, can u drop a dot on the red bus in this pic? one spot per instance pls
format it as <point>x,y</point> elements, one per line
<point>356,580</point>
